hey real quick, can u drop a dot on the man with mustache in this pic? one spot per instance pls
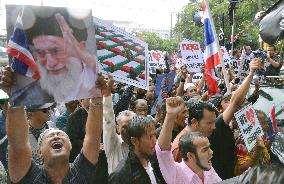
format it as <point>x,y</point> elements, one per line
<point>196,166</point>
<point>60,46</point>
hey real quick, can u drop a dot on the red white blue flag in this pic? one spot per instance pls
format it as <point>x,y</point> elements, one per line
<point>272,123</point>
<point>211,55</point>
<point>23,61</point>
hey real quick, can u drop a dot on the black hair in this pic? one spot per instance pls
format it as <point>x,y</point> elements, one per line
<point>137,125</point>
<point>186,143</point>
<point>273,46</point>
<point>196,109</point>
<point>45,22</point>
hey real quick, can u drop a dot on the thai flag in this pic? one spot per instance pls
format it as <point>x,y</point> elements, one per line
<point>211,56</point>
<point>23,61</point>
<point>272,123</point>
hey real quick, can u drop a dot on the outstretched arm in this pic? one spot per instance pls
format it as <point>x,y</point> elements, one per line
<point>174,105</point>
<point>19,149</point>
<point>110,138</point>
<point>94,125</point>
<point>240,94</point>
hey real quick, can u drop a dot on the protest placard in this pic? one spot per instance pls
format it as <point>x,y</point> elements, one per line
<point>244,66</point>
<point>226,57</point>
<point>196,77</point>
<point>122,54</point>
<point>53,53</point>
<point>235,64</point>
<point>164,84</point>
<point>191,52</point>
<point>227,62</point>
<point>156,60</point>
<point>249,126</point>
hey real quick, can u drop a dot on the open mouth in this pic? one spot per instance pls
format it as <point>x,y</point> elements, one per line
<point>209,161</point>
<point>57,71</point>
<point>57,145</point>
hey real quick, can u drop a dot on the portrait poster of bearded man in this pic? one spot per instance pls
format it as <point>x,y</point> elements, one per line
<point>62,44</point>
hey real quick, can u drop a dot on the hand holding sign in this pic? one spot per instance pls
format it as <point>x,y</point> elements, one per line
<point>249,126</point>
<point>254,64</point>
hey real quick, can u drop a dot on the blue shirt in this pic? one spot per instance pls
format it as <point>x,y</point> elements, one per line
<point>3,146</point>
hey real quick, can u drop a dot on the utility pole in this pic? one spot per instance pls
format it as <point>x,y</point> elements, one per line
<point>171,31</point>
<point>232,11</point>
<point>259,5</point>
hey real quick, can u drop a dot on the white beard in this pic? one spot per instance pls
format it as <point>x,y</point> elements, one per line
<point>61,86</point>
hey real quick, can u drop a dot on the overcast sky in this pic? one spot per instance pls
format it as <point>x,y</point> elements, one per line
<point>152,13</point>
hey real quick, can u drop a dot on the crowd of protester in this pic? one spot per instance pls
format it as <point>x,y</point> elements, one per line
<point>191,138</point>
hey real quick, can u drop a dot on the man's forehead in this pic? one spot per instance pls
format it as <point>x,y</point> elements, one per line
<point>47,40</point>
<point>53,132</point>
<point>149,129</point>
<point>126,119</point>
<point>209,114</point>
<point>201,142</point>
<point>141,103</point>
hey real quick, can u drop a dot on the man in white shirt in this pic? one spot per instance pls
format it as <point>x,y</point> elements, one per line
<point>115,145</point>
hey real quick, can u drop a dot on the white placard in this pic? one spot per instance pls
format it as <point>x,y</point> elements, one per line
<point>156,60</point>
<point>249,126</point>
<point>191,52</point>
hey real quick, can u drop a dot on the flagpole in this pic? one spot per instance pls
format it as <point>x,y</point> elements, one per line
<point>219,49</point>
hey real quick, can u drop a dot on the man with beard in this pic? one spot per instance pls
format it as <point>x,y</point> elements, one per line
<point>217,129</point>
<point>196,166</point>
<point>55,148</point>
<point>61,48</point>
<point>137,167</point>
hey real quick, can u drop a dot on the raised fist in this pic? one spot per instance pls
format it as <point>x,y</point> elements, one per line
<point>174,105</point>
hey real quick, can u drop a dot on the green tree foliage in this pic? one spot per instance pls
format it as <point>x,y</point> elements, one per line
<point>156,43</point>
<point>244,17</point>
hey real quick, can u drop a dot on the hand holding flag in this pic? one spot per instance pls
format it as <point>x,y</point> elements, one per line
<point>23,61</point>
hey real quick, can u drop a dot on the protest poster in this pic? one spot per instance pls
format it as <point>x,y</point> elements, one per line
<point>156,60</point>
<point>227,62</point>
<point>196,77</point>
<point>122,54</point>
<point>191,52</point>
<point>179,63</point>
<point>235,64</point>
<point>244,66</point>
<point>226,57</point>
<point>249,126</point>
<point>164,84</point>
<point>53,52</point>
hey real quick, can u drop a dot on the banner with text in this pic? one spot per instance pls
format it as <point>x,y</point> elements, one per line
<point>156,60</point>
<point>191,52</point>
<point>249,126</point>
